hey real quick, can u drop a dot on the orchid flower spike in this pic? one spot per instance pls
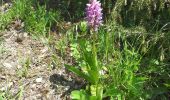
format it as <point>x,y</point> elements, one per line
<point>94,14</point>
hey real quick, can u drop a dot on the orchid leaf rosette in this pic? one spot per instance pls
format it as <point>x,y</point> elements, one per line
<point>94,14</point>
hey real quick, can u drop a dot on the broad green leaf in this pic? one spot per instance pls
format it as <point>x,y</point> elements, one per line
<point>94,57</point>
<point>90,59</point>
<point>79,73</point>
<point>93,90</point>
<point>99,92</point>
<point>1,98</point>
<point>93,98</point>
<point>167,85</point>
<point>94,75</point>
<point>111,91</point>
<point>119,97</point>
<point>78,95</point>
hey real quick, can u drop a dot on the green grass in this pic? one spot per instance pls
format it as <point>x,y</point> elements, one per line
<point>37,20</point>
<point>128,58</point>
<point>133,60</point>
<point>7,95</point>
<point>23,72</point>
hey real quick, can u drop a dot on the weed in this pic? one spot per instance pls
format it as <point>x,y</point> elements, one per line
<point>7,95</point>
<point>23,72</point>
<point>36,20</point>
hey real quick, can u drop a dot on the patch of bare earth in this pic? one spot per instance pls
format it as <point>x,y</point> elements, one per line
<point>36,80</point>
<point>27,71</point>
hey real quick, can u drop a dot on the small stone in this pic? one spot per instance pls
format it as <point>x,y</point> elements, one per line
<point>19,66</point>
<point>8,65</point>
<point>25,34</point>
<point>39,80</point>
<point>44,50</point>
<point>2,89</point>
<point>101,72</point>
<point>33,86</point>
<point>2,77</point>
<point>10,84</point>
<point>66,88</point>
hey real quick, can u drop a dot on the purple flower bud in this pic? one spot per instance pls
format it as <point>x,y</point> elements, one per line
<point>94,14</point>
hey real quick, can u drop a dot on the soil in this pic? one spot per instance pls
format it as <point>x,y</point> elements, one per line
<point>27,71</point>
<point>40,81</point>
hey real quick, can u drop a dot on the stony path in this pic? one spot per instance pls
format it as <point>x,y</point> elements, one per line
<point>34,79</point>
<point>25,68</point>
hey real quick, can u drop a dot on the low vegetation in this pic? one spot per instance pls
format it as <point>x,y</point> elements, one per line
<point>126,58</point>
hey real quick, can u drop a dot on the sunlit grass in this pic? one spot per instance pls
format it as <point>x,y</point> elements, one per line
<point>128,58</point>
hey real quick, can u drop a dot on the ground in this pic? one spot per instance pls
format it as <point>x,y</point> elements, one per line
<point>27,69</point>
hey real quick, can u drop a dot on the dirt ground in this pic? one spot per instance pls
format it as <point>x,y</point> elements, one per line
<point>27,71</point>
<point>39,81</point>
<point>26,68</point>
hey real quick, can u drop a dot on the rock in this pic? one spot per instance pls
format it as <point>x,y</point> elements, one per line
<point>44,50</point>
<point>2,89</point>
<point>19,66</point>
<point>39,80</point>
<point>33,86</point>
<point>8,65</point>
<point>2,77</point>
<point>25,34</point>
<point>10,84</point>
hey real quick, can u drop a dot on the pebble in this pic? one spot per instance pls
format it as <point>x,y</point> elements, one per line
<point>19,66</point>
<point>2,89</point>
<point>39,80</point>
<point>44,50</point>
<point>2,77</point>
<point>10,85</point>
<point>33,85</point>
<point>25,34</point>
<point>8,65</point>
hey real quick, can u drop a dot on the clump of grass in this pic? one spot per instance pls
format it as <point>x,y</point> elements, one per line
<point>17,11</point>
<point>37,20</point>
<point>5,19</point>
<point>23,72</point>
<point>150,14</point>
<point>7,95</point>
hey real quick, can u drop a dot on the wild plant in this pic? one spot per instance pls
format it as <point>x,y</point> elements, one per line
<point>110,72</point>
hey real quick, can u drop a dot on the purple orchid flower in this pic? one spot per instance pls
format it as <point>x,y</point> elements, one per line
<point>94,14</point>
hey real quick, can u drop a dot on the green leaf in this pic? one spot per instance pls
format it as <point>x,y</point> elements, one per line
<point>89,57</point>
<point>78,95</point>
<point>119,97</point>
<point>167,85</point>
<point>1,97</point>
<point>79,73</point>
<point>94,57</point>
<point>94,75</point>
<point>82,95</point>
<point>93,98</point>
<point>111,91</point>
<point>93,90</point>
<point>99,92</point>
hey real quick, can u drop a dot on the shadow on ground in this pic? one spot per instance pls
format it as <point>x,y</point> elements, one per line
<point>58,81</point>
